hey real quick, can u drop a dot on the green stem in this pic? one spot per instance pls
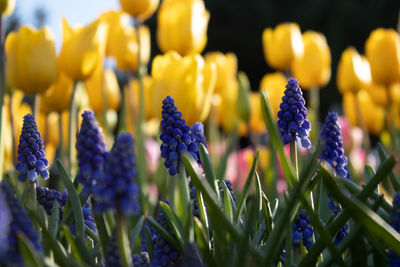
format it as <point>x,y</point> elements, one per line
<point>61,151</point>
<point>30,202</point>
<point>2,90</point>
<point>360,122</point>
<point>122,111</point>
<point>293,157</point>
<point>71,126</point>
<point>390,126</point>
<point>184,189</point>
<point>35,106</point>
<point>140,136</point>
<point>123,241</point>
<point>314,105</point>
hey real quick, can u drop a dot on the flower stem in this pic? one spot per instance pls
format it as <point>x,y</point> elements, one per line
<point>123,241</point>
<point>314,108</point>
<point>71,126</point>
<point>390,126</point>
<point>35,106</point>
<point>11,119</point>
<point>293,157</point>
<point>360,121</point>
<point>140,136</point>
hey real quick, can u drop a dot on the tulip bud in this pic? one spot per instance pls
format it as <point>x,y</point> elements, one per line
<point>82,49</point>
<point>189,80</point>
<point>274,84</point>
<point>7,7</point>
<point>243,102</point>
<point>382,49</point>
<point>353,71</point>
<point>226,68</point>
<point>182,26</point>
<point>313,69</point>
<point>282,45</point>
<point>142,9</point>
<point>31,59</point>
<point>103,90</point>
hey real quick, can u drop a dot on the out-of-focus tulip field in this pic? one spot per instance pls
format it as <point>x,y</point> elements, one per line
<point>178,159</point>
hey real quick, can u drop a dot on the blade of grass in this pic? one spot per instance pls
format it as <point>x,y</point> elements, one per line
<point>207,167</point>
<point>136,232</point>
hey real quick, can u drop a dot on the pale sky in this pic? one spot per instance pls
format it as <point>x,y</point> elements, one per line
<point>77,12</point>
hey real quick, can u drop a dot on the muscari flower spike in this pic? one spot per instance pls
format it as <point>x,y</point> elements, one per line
<point>177,137</point>
<point>118,189</point>
<point>302,231</point>
<point>91,149</point>
<point>292,115</point>
<point>46,197</point>
<point>333,153</point>
<point>393,258</point>
<point>164,254</point>
<point>20,222</point>
<point>31,156</point>
<point>5,220</point>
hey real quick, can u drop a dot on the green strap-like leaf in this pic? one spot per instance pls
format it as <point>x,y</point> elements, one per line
<point>136,232</point>
<point>54,218</point>
<point>207,167</point>
<point>29,254</point>
<point>74,200</point>
<point>164,233</point>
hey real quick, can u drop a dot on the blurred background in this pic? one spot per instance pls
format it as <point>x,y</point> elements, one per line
<point>237,26</point>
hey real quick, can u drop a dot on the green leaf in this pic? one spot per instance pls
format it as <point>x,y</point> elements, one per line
<point>149,241</point>
<point>164,233</point>
<point>361,213</point>
<point>184,203</point>
<point>207,167</point>
<point>72,244</point>
<point>136,232</point>
<point>227,201</point>
<point>275,138</point>
<point>202,242</point>
<point>102,229</point>
<point>172,222</point>
<point>74,200</point>
<point>393,178</point>
<point>54,219</point>
<point>243,101</point>
<point>246,188</point>
<point>28,252</point>
<point>224,159</point>
<point>123,241</point>
<point>267,215</point>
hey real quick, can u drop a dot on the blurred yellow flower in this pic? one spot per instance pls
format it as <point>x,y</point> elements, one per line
<point>189,80</point>
<point>48,127</point>
<point>82,49</point>
<point>353,71</point>
<point>31,59</point>
<point>226,68</point>
<point>115,20</point>
<point>7,7</point>
<point>282,45</point>
<point>257,124</point>
<point>124,47</point>
<point>103,90</point>
<point>371,114</point>
<point>58,96</point>
<point>141,9</point>
<point>313,69</point>
<point>132,94</point>
<point>182,26</point>
<point>382,49</point>
<point>225,107</point>
<point>274,84</point>
<point>378,93</point>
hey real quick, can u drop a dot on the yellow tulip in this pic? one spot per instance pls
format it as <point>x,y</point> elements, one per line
<point>31,64</point>
<point>378,93</point>
<point>7,138</point>
<point>274,84</point>
<point>141,9</point>
<point>371,114</point>
<point>7,7</point>
<point>115,20</point>
<point>256,123</point>
<point>103,90</point>
<point>313,69</point>
<point>226,68</point>
<point>189,80</point>
<point>382,49</point>
<point>82,49</point>
<point>124,47</point>
<point>282,45</point>
<point>48,127</point>
<point>58,96</point>
<point>225,106</point>
<point>182,26</point>
<point>353,71</point>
